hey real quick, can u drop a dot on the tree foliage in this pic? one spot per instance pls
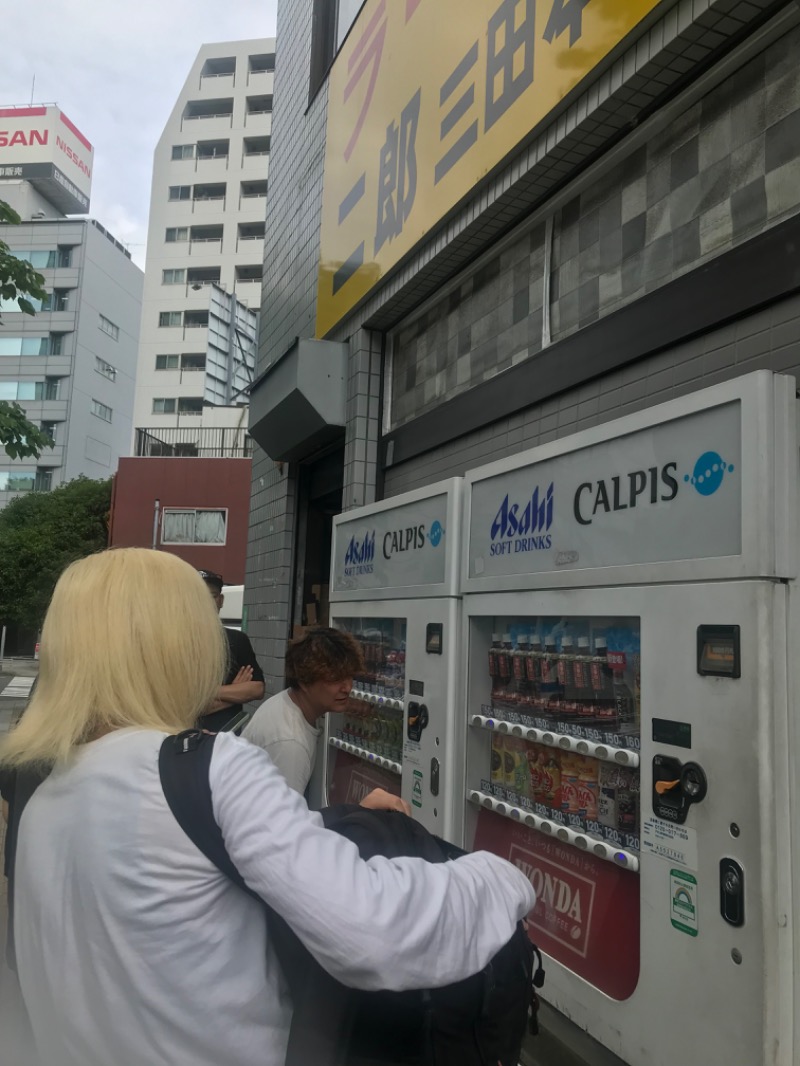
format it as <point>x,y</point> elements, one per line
<point>18,281</point>
<point>41,533</point>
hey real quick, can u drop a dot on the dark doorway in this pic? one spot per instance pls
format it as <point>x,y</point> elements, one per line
<point>319,500</point>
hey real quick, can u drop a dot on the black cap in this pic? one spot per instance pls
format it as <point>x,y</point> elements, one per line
<point>211,579</point>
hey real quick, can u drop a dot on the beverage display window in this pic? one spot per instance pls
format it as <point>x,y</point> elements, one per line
<point>555,710</point>
<point>371,730</point>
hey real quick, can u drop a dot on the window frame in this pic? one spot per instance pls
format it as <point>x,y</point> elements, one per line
<point>113,329</point>
<point>102,366</point>
<point>180,189</point>
<point>196,510</point>
<point>97,414</point>
<point>169,355</point>
<point>169,325</point>
<point>165,400</point>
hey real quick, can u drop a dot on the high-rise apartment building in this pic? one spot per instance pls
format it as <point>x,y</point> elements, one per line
<point>72,366</point>
<point>205,248</point>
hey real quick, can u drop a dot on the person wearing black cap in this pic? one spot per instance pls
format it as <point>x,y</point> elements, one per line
<point>245,678</point>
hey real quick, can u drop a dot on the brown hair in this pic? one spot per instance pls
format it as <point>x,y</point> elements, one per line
<point>322,654</point>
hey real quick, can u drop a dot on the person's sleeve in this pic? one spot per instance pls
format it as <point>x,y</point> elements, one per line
<point>247,657</point>
<point>382,924</point>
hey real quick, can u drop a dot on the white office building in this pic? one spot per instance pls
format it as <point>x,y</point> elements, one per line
<point>205,248</point>
<point>72,365</point>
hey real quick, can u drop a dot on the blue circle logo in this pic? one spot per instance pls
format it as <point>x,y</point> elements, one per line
<point>709,470</point>
<point>436,533</point>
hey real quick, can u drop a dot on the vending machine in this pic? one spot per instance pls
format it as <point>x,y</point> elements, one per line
<point>631,646</point>
<point>394,582</point>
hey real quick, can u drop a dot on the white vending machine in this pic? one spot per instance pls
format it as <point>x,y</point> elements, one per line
<point>394,583</point>
<point>631,644</point>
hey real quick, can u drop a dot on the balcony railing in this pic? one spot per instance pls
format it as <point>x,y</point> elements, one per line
<point>201,443</point>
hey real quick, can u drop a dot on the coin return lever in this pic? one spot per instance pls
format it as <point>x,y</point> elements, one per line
<point>676,786</point>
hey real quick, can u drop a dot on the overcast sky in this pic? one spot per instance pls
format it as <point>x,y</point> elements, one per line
<point>115,69</point>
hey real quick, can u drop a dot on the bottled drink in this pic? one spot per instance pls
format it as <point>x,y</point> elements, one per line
<point>494,667</point>
<point>624,704</point>
<point>497,769</point>
<point>533,664</point>
<point>504,660</point>
<point>599,670</point>
<point>537,758</point>
<point>588,787</point>
<point>548,685</point>
<point>569,783</point>
<point>551,780</point>
<point>519,664</point>
<point>580,669</point>
<point>566,668</point>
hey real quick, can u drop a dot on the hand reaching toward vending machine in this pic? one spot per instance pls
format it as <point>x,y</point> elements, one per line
<point>380,800</point>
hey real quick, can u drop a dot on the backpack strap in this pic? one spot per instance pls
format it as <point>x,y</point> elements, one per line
<point>323,1012</point>
<point>183,765</point>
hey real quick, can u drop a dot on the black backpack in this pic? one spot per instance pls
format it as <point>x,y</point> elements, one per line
<point>480,1021</point>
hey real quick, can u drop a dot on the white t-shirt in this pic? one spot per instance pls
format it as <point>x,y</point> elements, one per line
<point>281,729</point>
<point>134,950</point>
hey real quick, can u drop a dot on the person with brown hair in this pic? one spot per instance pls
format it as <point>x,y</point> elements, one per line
<point>320,667</point>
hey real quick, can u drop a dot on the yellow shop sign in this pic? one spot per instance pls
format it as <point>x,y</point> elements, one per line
<point>426,97</point>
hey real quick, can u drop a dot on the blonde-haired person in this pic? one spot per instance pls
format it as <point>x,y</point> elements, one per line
<point>125,932</point>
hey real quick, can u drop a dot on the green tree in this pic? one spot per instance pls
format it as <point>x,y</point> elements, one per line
<point>41,533</point>
<point>18,281</point>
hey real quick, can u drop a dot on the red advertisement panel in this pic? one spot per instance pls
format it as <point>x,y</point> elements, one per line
<point>351,779</point>
<point>587,910</point>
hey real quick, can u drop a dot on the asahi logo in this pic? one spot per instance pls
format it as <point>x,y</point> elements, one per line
<point>360,555</point>
<point>523,526</point>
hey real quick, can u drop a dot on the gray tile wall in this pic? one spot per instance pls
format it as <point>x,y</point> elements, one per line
<point>363,414</point>
<point>291,254</point>
<point>767,340</point>
<point>726,170</point>
<point>491,321</point>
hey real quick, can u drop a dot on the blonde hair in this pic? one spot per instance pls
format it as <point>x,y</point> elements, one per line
<point>131,638</point>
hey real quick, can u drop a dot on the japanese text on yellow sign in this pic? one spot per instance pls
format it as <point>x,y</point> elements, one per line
<point>426,98</point>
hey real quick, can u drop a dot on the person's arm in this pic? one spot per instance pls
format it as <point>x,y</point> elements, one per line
<point>391,924</point>
<point>242,689</point>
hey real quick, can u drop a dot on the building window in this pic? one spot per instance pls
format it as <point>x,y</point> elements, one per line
<point>23,346</point>
<point>193,362</point>
<point>60,300</point>
<point>16,481</point>
<point>29,390</point>
<point>39,258</point>
<point>101,410</point>
<point>175,234</point>
<point>180,192</point>
<point>193,526</point>
<point>56,343</point>
<point>11,305</point>
<point>44,479</point>
<point>167,362</point>
<point>50,429</point>
<point>183,151</point>
<point>190,405</point>
<point>164,406</point>
<point>107,326</point>
<point>64,256</point>
<point>173,277</point>
<point>106,369</point>
<point>169,318</point>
